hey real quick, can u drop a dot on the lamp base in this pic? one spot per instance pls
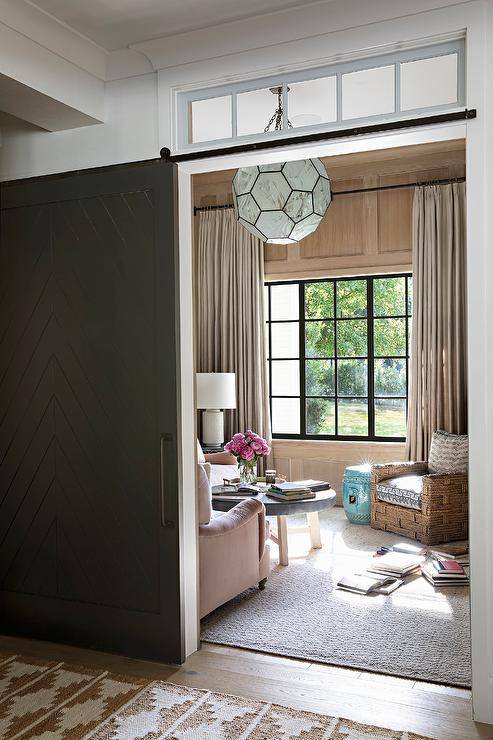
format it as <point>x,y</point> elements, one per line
<point>212,427</point>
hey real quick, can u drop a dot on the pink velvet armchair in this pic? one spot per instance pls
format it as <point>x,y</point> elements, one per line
<point>233,553</point>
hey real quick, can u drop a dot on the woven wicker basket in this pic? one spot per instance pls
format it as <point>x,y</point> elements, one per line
<point>444,505</point>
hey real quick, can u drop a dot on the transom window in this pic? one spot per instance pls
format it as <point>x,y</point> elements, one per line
<point>338,357</point>
<point>386,86</point>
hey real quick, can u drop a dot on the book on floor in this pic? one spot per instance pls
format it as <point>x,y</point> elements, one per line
<point>366,583</point>
<point>398,564</point>
<point>409,548</point>
<point>451,551</point>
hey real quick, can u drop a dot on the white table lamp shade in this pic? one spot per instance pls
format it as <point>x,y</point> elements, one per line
<point>216,391</point>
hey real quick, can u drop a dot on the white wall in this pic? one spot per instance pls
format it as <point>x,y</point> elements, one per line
<point>139,120</point>
<point>130,133</point>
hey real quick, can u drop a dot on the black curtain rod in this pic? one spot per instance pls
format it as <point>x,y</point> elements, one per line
<point>319,137</point>
<point>447,181</point>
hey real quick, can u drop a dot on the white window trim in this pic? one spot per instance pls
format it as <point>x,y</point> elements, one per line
<point>185,97</point>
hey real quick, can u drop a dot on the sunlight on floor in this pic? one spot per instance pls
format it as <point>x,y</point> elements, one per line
<point>348,549</point>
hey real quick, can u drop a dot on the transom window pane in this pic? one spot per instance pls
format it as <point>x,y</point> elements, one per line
<point>429,82</point>
<point>254,108</point>
<point>369,92</point>
<point>348,378</point>
<point>313,102</point>
<point>390,85</point>
<point>210,119</point>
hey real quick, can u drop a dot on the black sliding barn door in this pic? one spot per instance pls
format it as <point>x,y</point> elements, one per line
<point>88,410</point>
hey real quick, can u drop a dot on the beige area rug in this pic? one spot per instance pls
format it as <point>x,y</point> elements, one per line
<point>417,632</point>
<point>55,701</point>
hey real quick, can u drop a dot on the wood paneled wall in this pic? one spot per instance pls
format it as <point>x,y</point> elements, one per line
<point>361,234</point>
<point>303,459</point>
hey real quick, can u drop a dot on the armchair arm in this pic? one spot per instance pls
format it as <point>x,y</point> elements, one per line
<point>231,551</point>
<point>394,470</point>
<point>443,490</point>
<point>239,516</point>
<point>220,458</point>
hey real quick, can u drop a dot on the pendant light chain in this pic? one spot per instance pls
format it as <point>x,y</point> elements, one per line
<point>278,113</point>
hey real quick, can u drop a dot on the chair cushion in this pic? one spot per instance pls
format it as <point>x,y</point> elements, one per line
<point>204,496</point>
<point>406,490</point>
<point>449,453</point>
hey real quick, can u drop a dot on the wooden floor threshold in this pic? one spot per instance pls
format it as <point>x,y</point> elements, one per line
<point>434,710</point>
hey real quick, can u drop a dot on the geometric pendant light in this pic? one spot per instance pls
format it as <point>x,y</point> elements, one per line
<point>282,203</point>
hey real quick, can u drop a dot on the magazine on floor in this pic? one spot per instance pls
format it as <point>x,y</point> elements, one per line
<point>366,583</point>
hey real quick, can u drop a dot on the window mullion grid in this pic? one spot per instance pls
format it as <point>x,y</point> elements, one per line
<point>371,358</point>
<point>302,351</point>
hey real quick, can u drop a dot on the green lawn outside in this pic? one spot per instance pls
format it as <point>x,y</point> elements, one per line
<point>390,421</point>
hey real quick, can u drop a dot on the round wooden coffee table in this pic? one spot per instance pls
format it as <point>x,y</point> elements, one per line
<point>282,510</point>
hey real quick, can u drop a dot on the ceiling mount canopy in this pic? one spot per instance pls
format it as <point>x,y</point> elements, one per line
<point>282,203</point>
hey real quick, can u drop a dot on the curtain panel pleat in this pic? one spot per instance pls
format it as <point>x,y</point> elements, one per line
<point>230,319</point>
<point>438,368</point>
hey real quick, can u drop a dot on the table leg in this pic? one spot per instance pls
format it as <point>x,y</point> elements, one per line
<point>282,537</point>
<point>314,525</point>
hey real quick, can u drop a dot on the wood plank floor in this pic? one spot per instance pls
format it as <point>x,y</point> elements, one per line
<point>436,711</point>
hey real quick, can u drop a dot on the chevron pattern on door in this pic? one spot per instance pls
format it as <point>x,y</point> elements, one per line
<point>78,422</point>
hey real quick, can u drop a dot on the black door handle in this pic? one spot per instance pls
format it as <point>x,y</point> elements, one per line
<point>165,443</point>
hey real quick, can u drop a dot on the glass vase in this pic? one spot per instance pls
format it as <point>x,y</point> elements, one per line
<point>248,472</point>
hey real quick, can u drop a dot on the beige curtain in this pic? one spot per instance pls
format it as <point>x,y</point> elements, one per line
<point>438,382</point>
<point>230,321</point>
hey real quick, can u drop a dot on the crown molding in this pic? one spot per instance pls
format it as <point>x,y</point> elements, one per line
<point>320,19</point>
<point>48,32</point>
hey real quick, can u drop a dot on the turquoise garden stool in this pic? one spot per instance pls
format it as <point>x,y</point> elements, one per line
<point>356,493</point>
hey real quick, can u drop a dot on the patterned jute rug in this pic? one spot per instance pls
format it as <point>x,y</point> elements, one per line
<point>50,701</point>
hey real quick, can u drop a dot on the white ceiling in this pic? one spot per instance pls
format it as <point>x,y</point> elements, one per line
<point>115,24</point>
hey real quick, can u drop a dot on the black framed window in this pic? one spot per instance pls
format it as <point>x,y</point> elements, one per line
<point>338,357</point>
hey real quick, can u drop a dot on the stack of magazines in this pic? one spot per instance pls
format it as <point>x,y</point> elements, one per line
<point>290,491</point>
<point>397,564</point>
<point>442,572</point>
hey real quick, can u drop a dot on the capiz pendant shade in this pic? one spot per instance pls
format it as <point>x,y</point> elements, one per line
<point>282,203</point>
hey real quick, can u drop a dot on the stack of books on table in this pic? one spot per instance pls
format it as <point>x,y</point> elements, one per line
<point>290,491</point>
<point>397,564</point>
<point>442,572</point>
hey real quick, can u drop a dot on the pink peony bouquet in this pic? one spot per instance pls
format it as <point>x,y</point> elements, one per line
<point>247,447</point>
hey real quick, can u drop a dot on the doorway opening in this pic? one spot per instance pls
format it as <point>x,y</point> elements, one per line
<point>366,244</point>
